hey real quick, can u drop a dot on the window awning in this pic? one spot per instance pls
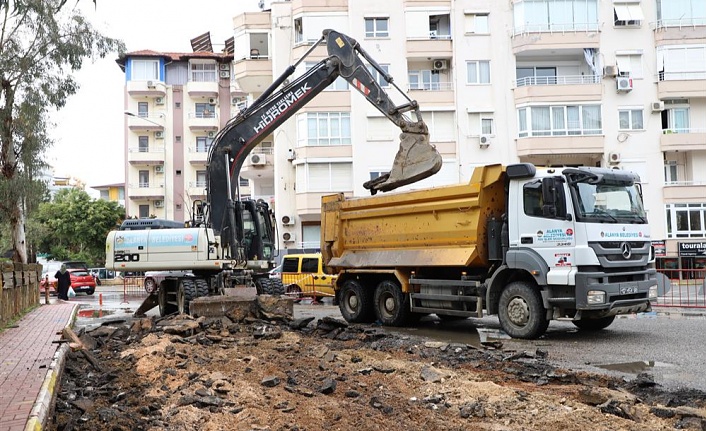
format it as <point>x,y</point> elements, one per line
<point>629,12</point>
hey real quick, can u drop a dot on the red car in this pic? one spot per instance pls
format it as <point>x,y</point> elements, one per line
<point>81,281</point>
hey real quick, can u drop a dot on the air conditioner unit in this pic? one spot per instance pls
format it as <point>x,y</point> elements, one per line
<point>658,106</point>
<point>287,220</point>
<point>159,169</point>
<point>159,135</point>
<point>433,34</point>
<point>485,141</point>
<point>224,74</point>
<point>613,158</point>
<point>235,100</point>
<point>611,70</point>
<point>291,155</point>
<point>159,204</point>
<point>212,101</point>
<point>150,84</point>
<point>159,101</point>
<point>211,134</point>
<point>289,237</point>
<point>224,66</point>
<point>441,64</point>
<point>624,84</point>
<point>257,159</point>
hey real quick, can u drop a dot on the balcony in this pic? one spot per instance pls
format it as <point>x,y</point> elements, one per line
<point>675,85</point>
<point>197,155</point>
<point>253,75</point>
<point>309,204</point>
<point>591,145</point>
<point>318,6</point>
<point>555,37</point>
<point>153,155</point>
<point>153,88</point>
<point>301,47</point>
<point>202,89</point>
<point>669,32</point>
<point>259,165</point>
<point>435,93</point>
<point>252,21</point>
<point>426,3</point>
<point>537,89</point>
<point>197,189</point>
<point>148,123</point>
<point>435,46</point>
<point>684,191</point>
<point>683,140</point>
<point>203,121</point>
<point>150,190</point>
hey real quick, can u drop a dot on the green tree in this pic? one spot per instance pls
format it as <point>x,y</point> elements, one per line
<point>74,226</point>
<point>41,43</point>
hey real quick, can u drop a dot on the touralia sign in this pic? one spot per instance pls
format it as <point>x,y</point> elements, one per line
<point>692,249</point>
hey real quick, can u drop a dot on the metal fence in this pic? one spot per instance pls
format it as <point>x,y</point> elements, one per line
<point>685,288</point>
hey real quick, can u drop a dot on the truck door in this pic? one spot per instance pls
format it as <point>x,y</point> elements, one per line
<point>544,228</point>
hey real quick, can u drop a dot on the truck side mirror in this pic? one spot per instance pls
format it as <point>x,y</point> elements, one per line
<point>553,197</point>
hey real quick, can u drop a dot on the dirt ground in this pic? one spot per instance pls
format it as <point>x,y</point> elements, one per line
<point>181,373</point>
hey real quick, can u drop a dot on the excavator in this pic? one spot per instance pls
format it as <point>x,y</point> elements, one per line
<point>229,241</point>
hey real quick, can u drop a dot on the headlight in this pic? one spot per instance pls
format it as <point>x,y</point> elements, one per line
<point>653,292</point>
<point>595,297</point>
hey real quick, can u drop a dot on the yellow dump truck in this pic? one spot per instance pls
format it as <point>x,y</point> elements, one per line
<point>528,244</point>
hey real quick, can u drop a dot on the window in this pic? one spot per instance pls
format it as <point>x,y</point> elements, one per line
<point>203,72</point>
<point>378,76</point>
<point>144,70</point>
<point>629,65</point>
<point>555,15</point>
<point>677,120</point>
<point>143,110</point>
<point>298,31</point>
<point>244,182</point>
<point>478,72</point>
<point>476,23</point>
<point>144,178</point>
<point>203,144</point>
<point>681,13</point>
<point>310,264</point>
<point>532,198</point>
<point>324,128</point>
<point>205,110</point>
<point>200,178</point>
<point>376,27</point>
<point>441,125</point>
<point>143,144</point>
<point>686,220</point>
<point>630,119</point>
<point>535,76</point>
<point>486,126</point>
<point>627,14</point>
<point>671,172</point>
<point>144,211</point>
<point>559,120</point>
<point>682,62</point>
<point>324,177</point>
<point>340,84</point>
<point>423,80</point>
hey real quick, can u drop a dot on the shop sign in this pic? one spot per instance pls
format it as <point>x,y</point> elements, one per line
<point>660,248</point>
<point>692,249</point>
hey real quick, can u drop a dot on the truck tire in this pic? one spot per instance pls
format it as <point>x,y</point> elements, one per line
<point>165,308</point>
<point>391,305</point>
<point>186,292</point>
<point>264,287</point>
<point>594,324</point>
<point>277,286</point>
<point>294,291</point>
<point>355,303</point>
<point>521,312</point>
<point>201,287</point>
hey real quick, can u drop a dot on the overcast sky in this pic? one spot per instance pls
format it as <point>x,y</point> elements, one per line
<point>89,131</point>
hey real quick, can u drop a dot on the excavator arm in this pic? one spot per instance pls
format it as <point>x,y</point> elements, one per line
<point>415,160</point>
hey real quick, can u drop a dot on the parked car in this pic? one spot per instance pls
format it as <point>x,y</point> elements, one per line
<point>303,275</point>
<point>81,280</point>
<point>154,278</point>
<point>102,274</point>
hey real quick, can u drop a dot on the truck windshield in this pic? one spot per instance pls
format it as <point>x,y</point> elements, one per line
<point>608,203</point>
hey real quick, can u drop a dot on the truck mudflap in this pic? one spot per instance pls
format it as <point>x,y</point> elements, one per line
<point>620,297</point>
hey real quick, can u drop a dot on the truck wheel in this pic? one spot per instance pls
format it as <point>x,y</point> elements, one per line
<point>521,312</point>
<point>264,287</point>
<point>165,308</point>
<point>186,292</point>
<point>594,324</point>
<point>391,305</point>
<point>150,285</point>
<point>277,286</point>
<point>294,291</point>
<point>355,303</point>
<point>201,287</point>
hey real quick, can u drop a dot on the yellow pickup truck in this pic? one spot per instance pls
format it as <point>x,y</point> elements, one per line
<point>303,276</point>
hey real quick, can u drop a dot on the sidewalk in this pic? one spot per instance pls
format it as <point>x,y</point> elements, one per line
<point>30,365</point>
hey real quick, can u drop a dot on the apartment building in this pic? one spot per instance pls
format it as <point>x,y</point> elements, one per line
<point>554,82</point>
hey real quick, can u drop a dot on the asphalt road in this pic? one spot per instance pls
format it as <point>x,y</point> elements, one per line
<point>669,346</point>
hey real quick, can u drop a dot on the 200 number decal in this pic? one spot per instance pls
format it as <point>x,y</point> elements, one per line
<point>134,257</point>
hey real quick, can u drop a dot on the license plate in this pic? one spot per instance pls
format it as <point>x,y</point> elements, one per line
<point>628,290</point>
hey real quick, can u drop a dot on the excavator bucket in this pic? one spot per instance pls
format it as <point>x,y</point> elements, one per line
<point>415,160</point>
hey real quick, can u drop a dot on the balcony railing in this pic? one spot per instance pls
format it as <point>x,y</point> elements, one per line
<point>198,183</point>
<point>204,114</point>
<point>200,149</point>
<point>432,36</point>
<point>685,183</point>
<point>678,130</point>
<point>432,86</point>
<point>681,76</point>
<point>571,27</point>
<point>558,80</point>
<point>679,22</point>
<point>145,185</point>
<point>151,149</point>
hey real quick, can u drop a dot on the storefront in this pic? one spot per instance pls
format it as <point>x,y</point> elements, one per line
<point>688,264</point>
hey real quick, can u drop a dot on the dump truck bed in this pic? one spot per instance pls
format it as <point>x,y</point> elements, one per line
<point>441,226</point>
